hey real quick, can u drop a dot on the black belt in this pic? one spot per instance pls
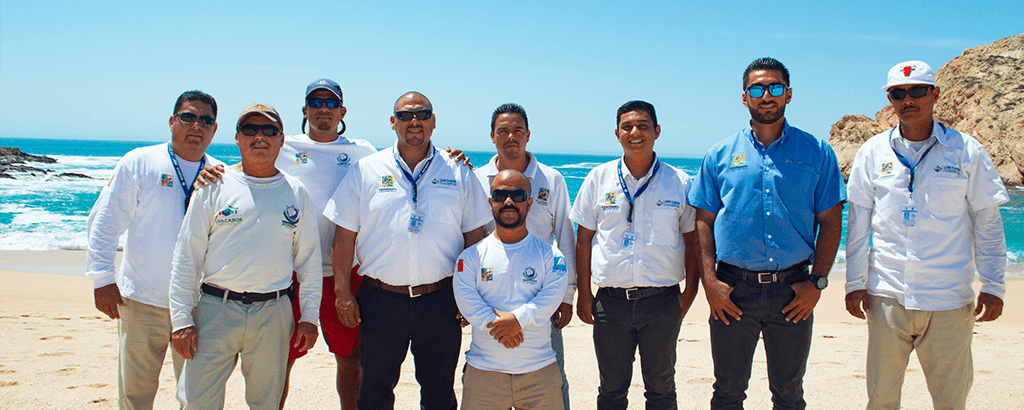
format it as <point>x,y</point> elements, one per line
<point>246,298</point>
<point>418,290</point>
<point>639,292</point>
<point>798,270</point>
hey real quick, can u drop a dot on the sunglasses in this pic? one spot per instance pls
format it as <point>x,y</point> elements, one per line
<point>251,129</point>
<point>319,102</point>
<point>517,195</point>
<point>421,115</point>
<point>757,90</point>
<point>189,118</point>
<point>916,92</point>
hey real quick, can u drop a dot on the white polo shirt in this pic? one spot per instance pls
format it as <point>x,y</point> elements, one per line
<point>549,216</point>
<point>526,278</point>
<point>660,217</point>
<point>144,197</point>
<point>247,234</point>
<point>320,166</point>
<point>375,200</point>
<point>929,266</point>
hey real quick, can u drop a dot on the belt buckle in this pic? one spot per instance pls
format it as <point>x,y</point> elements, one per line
<point>629,293</point>
<point>246,298</point>
<point>771,277</point>
<point>412,293</point>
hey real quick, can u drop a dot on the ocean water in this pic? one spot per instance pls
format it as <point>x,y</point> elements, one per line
<point>45,212</point>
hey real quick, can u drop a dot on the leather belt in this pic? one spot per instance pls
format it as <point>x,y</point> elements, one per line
<point>765,277</point>
<point>247,298</point>
<point>639,292</point>
<point>418,290</point>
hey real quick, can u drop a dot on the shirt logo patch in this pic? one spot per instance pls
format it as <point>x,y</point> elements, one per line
<point>559,264</point>
<point>343,159</point>
<point>301,158</point>
<point>739,160</point>
<point>793,161</point>
<point>886,171</point>
<point>387,183</point>
<point>948,168</point>
<point>486,274</point>
<point>165,180</point>
<point>224,216</point>
<point>609,201</point>
<point>542,195</point>
<point>443,181</point>
<point>529,275</point>
<point>291,217</point>
<point>667,202</point>
<point>459,268</point>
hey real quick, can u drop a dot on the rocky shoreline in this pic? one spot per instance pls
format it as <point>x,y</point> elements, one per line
<point>13,160</point>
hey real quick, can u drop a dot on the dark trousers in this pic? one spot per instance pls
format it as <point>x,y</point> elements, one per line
<point>392,324</point>
<point>786,344</point>
<point>620,327</point>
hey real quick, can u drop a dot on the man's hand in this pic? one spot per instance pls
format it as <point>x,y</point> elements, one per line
<point>209,175</point>
<point>463,322</point>
<point>459,156</point>
<point>504,326</point>
<point>800,308</point>
<point>305,336</point>
<point>584,307</point>
<point>108,298</point>
<point>991,304</point>
<point>511,342</point>
<point>186,341</point>
<point>857,300</point>
<point>563,315</point>
<point>721,306</point>
<point>684,304</point>
<point>348,308</point>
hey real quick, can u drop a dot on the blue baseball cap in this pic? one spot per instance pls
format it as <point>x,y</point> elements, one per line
<point>324,84</point>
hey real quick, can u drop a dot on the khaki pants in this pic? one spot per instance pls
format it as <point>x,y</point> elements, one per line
<point>943,343</point>
<point>144,334</point>
<point>540,389</point>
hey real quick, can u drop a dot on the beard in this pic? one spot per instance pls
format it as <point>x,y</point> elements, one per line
<point>509,225</point>
<point>767,118</point>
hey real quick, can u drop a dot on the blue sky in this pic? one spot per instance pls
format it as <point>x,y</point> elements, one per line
<point>112,69</point>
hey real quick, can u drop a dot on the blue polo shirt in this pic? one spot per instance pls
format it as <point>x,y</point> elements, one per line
<point>765,199</point>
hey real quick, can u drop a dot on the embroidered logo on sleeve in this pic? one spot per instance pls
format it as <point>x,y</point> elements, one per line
<point>165,180</point>
<point>486,274</point>
<point>559,264</point>
<point>301,158</point>
<point>291,217</point>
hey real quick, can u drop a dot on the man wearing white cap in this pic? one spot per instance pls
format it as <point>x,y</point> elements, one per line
<point>928,197</point>
<point>231,280</point>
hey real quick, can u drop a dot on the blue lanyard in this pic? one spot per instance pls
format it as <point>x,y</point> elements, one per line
<point>906,162</point>
<point>187,188</point>
<point>408,176</point>
<point>639,191</point>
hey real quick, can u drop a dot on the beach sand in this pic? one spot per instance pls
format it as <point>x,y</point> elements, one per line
<point>58,352</point>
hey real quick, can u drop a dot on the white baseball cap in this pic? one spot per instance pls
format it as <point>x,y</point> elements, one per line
<point>910,72</point>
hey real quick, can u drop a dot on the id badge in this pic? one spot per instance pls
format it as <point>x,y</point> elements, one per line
<point>416,223</point>
<point>628,240</point>
<point>909,215</point>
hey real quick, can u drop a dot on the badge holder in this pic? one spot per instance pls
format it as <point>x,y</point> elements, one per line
<point>416,223</point>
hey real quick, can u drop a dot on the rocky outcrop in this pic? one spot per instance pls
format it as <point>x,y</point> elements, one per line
<point>982,94</point>
<point>12,158</point>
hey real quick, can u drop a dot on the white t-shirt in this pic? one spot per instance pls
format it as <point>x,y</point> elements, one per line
<point>247,234</point>
<point>375,200</point>
<point>144,197</point>
<point>660,217</point>
<point>549,216</point>
<point>526,278</point>
<point>320,166</point>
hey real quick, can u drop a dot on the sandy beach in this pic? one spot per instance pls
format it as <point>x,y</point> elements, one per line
<point>58,352</point>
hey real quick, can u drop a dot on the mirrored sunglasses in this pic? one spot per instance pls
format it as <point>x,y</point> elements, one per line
<point>319,102</point>
<point>757,90</point>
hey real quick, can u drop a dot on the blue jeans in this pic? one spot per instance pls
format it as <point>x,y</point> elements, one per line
<point>786,344</point>
<point>559,347</point>
<point>620,327</point>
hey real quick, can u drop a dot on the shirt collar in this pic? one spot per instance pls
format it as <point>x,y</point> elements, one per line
<point>939,132</point>
<point>394,152</point>
<point>749,131</point>
<point>629,175</point>
<point>491,169</point>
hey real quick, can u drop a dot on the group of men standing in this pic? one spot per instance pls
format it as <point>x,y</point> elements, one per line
<point>394,250</point>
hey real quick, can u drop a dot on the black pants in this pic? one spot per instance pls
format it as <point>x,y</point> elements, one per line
<point>391,324</point>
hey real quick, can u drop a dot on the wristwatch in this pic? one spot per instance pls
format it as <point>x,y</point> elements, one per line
<point>820,282</point>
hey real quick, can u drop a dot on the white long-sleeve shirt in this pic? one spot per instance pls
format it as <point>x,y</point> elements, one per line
<point>957,230</point>
<point>144,197</point>
<point>549,216</point>
<point>247,234</point>
<point>526,278</point>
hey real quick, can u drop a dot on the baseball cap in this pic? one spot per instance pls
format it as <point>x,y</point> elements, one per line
<point>324,84</point>
<point>261,109</point>
<point>910,72</point>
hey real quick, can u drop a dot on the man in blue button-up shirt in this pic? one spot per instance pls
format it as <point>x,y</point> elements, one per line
<point>777,196</point>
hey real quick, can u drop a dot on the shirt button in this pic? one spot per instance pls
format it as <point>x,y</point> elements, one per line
<point>768,213</point>
<point>769,236</point>
<point>768,191</point>
<point>771,259</point>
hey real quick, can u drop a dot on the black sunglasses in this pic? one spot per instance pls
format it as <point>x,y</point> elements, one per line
<point>757,90</point>
<point>189,118</point>
<point>319,102</point>
<point>517,195</point>
<point>251,129</point>
<point>916,92</point>
<point>421,115</point>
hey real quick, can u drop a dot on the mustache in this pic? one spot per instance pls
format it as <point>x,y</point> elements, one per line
<point>509,208</point>
<point>259,143</point>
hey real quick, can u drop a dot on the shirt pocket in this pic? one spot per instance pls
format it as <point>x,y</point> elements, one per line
<point>948,197</point>
<point>442,205</point>
<point>665,227</point>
